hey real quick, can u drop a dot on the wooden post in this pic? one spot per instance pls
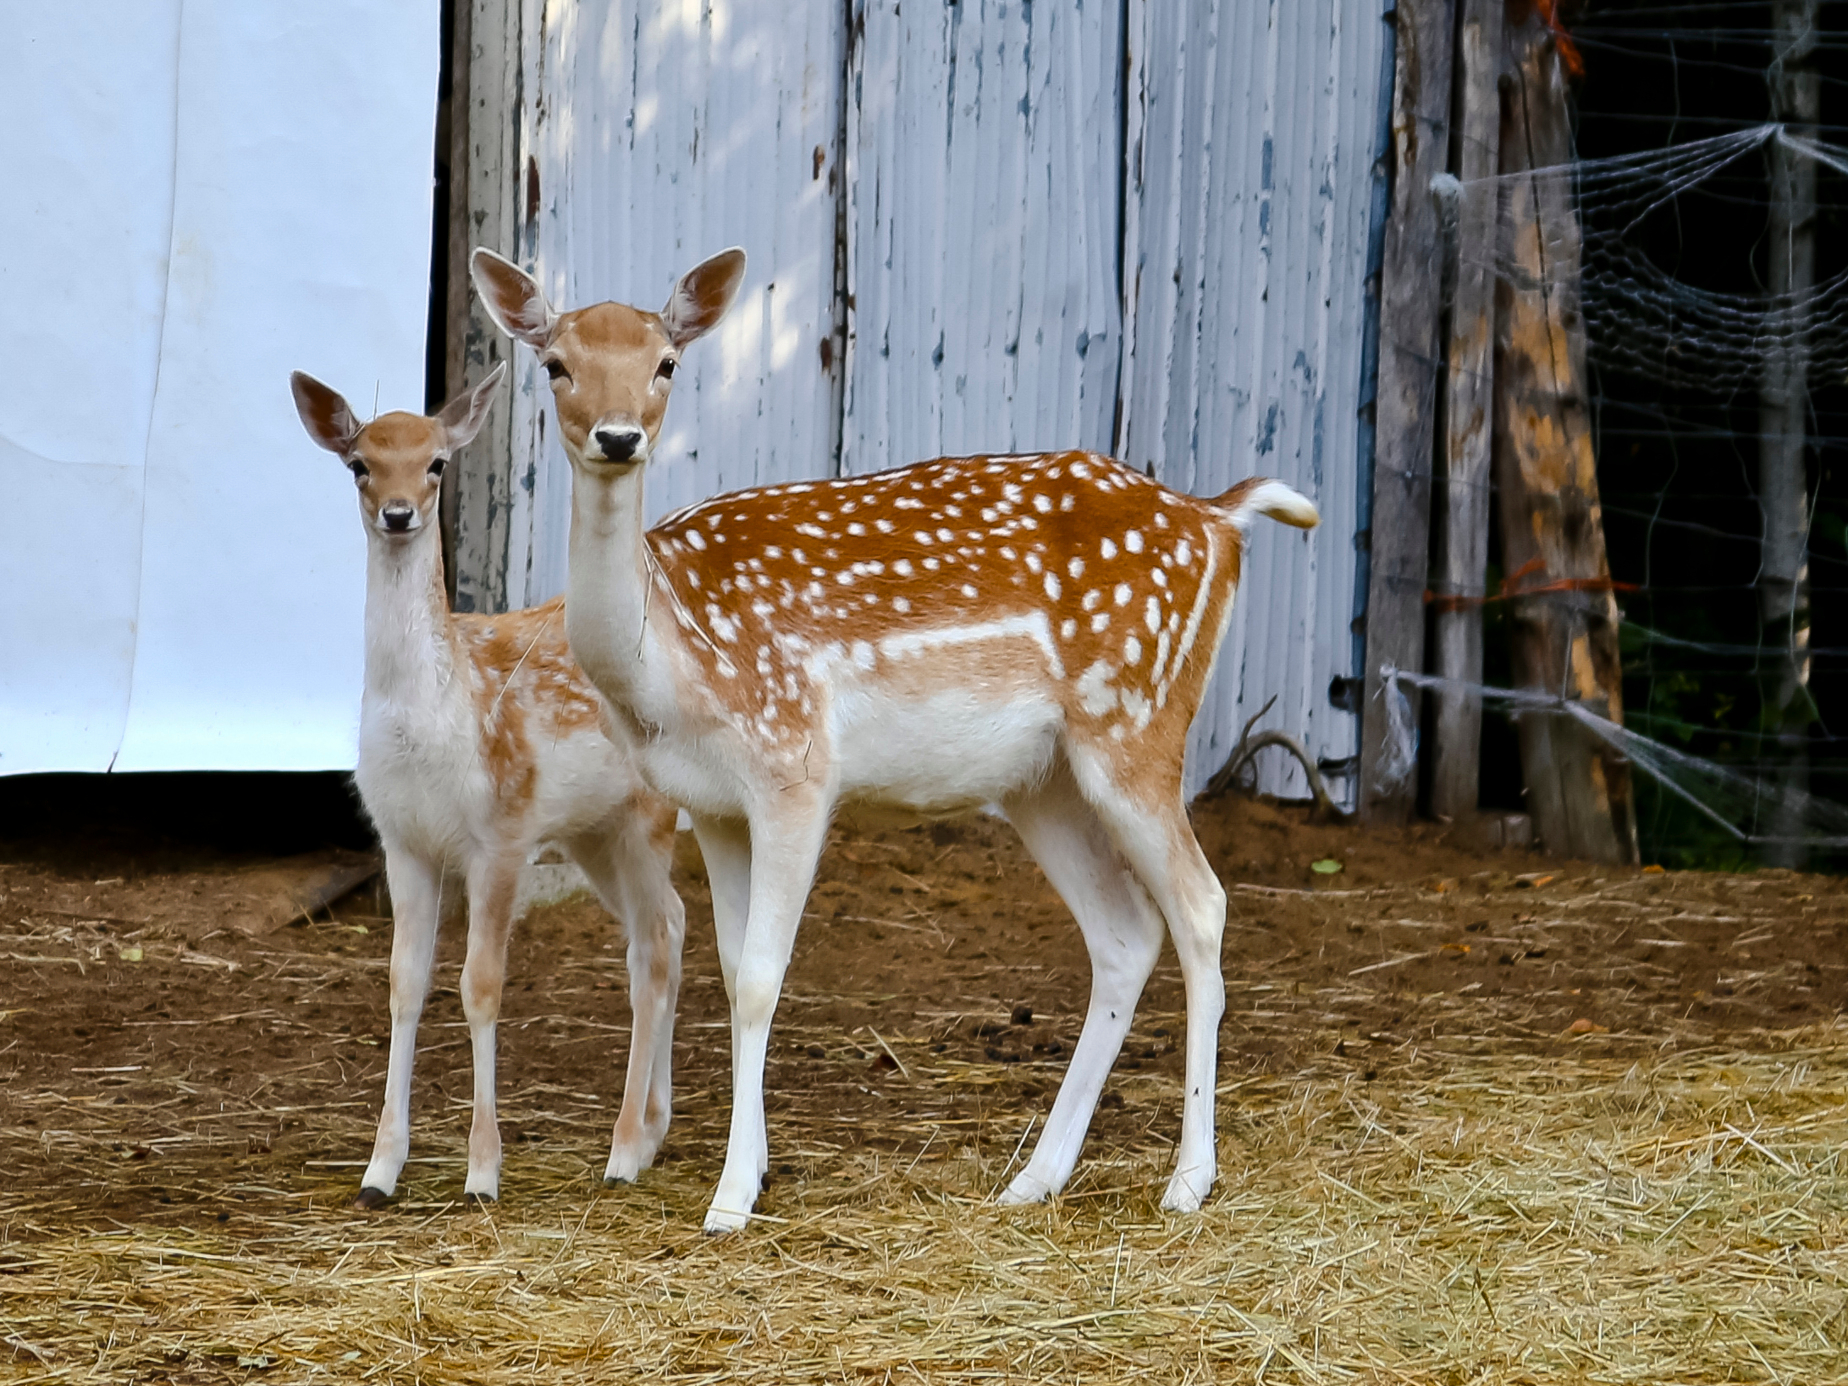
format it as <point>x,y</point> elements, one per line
<point>1462,515</point>
<point>484,165</point>
<point>1565,639</point>
<point>1410,301</point>
<point>1783,421</point>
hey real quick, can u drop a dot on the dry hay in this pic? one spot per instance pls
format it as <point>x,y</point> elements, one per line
<point>1466,1216</point>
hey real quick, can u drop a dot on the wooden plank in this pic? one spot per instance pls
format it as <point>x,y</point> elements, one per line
<point>1564,640</point>
<point>488,124</point>
<point>1783,423</point>
<point>1410,300</point>
<point>1461,512</point>
<point>452,143</point>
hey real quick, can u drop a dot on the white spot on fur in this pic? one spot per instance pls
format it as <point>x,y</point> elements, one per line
<point>1122,594</point>
<point>1133,541</point>
<point>1095,694</point>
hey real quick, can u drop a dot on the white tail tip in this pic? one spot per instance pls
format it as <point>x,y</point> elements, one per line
<point>1276,500</point>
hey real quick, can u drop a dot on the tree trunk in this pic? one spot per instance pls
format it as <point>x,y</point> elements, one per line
<point>1783,419</point>
<point>1399,535</point>
<point>1564,639</point>
<point>1463,517</point>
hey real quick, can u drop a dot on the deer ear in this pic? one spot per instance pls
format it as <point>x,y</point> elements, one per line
<point>464,415</point>
<point>701,297</point>
<point>325,414</point>
<point>512,297</point>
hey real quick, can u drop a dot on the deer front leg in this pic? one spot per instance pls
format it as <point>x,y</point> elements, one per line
<point>783,852</point>
<point>725,846</point>
<point>492,885</point>
<point>416,900</point>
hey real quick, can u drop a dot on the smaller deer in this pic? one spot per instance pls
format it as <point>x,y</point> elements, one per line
<point>480,739</point>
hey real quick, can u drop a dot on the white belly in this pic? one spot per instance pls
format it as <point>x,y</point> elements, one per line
<point>943,752</point>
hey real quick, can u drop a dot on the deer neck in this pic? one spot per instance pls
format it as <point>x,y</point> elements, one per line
<point>618,625</point>
<point>409,658</point>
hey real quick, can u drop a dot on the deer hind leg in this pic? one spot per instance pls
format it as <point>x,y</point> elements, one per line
<point>630,867</point>
<point>492,885</point>
<point>1123,934</point>
<point>1154,836</point>
<point>416,898</point>
<point>784,850</point>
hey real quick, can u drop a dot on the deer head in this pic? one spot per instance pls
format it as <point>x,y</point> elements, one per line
<point>397,460</point>
<point>611,366</point>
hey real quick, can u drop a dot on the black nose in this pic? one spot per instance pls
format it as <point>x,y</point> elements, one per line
<point>397,518</point>
<point>619,444</point>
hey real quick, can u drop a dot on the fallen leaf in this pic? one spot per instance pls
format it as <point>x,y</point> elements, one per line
<point>1582,1026</point>
<point>1458,948</point>
<point>1327,866</point>
<point>1653,870</point>
<point>1444,887</point>
<point>1531,880</point>
<point>129,954</point>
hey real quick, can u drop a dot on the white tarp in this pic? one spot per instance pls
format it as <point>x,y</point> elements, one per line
<point>196,199</point>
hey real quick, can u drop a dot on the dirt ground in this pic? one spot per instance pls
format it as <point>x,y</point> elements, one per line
<point>178,1064</point>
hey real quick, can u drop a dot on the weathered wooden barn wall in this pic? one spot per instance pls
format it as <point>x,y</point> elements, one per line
<point>1252,129</point>
<point>1129,225</point>
<point>983,225</point>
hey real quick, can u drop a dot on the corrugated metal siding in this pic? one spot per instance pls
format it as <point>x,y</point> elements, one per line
<point>1251,132</point>
<point>1096,222</point>
<point>983,227</point>
<point>659,134</point>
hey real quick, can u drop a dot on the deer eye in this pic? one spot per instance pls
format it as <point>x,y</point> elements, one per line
<point>436,466</point>
<point>666,369</point>
<point>358,468</point>
<point>556,369</point>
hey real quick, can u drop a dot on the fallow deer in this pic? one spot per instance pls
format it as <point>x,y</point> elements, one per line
<point>1028,631</point>
<point>480,740</point>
